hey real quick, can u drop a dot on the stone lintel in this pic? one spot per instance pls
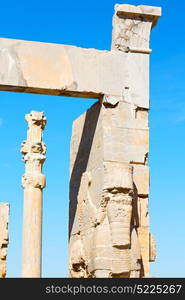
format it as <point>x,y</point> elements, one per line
<point>63,70</point>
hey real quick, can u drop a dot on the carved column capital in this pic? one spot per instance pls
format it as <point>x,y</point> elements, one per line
<point>36,118</point>
<point>36,158</point>
<point>132,26</point>
<point>34,147</point>
<point>33,180</point>
<point>33,150</point>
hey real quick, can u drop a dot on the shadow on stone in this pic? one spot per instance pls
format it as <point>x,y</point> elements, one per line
<point>82,157</point>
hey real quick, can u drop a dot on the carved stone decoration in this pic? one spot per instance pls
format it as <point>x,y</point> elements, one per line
<point>110,231</point>
<point>132,26</point>
<point>77,265</point>
<point>101,243</point>
<point>33,182</point>
<point>118,183</point>
<point>4,239</point>
<point>109,173</point>
<point>119,210</point>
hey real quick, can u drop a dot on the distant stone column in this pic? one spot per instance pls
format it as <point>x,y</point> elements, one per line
<point>33,181</point>
<point>4,216</point>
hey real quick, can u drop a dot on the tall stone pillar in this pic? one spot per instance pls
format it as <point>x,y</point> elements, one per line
<point>131,34</point>
<point>109,187</point>
<point>33,182</point>
<point>4,216</point>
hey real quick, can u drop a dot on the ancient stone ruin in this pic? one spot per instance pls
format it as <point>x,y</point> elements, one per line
<point>4,216</point>
<point>109,219</point>
<point>109,233</point>
<point>33,182</point>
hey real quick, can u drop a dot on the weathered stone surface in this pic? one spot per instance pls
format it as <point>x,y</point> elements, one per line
<point>141,179</point>
<point>33,181</point>
<point>143,212</point>
<point>122,179</point>
<point>125,133</point>
<point>4,219</point>
<point>35,67</point>
<point>153,251</point>
<point>101,217</point>
<point>109,186</point>
<point>132,26</point>
<point>125,115</point>
<point>86,142</point>
<point>125,145</point>
<point>143,236</point>
<point>135,255</point>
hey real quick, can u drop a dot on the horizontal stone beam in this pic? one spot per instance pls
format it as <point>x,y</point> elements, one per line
<point>54,69</point>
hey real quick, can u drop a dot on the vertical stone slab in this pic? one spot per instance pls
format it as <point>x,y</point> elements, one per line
<point>4,219</point>
<point>109,224</point>
<point>86,182</point>
<point>126,140</point>
<point>33,182</point>
<point>101,204</point>
<point>131,34</point>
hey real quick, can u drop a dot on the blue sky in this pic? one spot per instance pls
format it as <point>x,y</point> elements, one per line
<point>87,24</point>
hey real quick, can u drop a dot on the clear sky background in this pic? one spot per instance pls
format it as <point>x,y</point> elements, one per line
<point>88,24</point>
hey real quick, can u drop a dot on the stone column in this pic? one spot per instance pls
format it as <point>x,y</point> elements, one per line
<point>131,34</point>
<point>4,216</point>
<point>33,182</point>
<point>109,186</point>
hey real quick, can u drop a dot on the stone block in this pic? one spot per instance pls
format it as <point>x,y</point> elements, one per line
<point>117,175</point>
<point>125,145</point>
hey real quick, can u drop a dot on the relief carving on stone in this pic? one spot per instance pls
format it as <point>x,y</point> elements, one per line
<point>106,244</point>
